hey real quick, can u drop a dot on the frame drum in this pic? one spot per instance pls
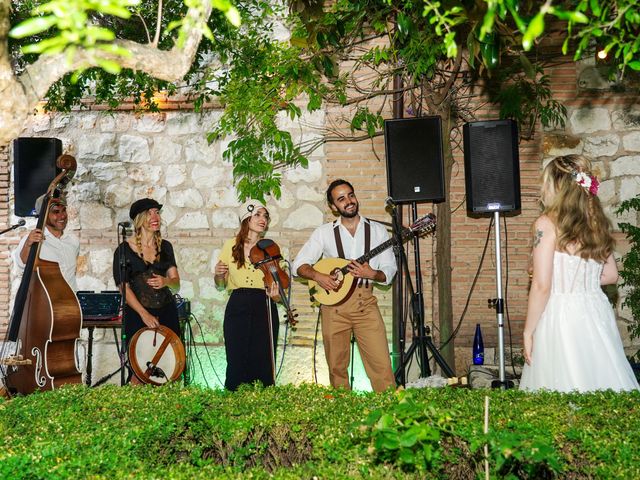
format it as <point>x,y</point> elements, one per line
<point>157,355</point>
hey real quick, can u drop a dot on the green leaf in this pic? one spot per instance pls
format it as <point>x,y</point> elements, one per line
<point>109,65</point>
<point>534,30</point>
<point>33,26</point>
<point>404,23</point>
<point>233,15</point>
<point>635,65</point>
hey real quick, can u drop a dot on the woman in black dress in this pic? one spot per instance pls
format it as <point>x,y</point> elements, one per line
<point>152,275</point>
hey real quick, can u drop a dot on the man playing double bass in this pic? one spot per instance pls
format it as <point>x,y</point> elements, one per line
<point>58,246</point>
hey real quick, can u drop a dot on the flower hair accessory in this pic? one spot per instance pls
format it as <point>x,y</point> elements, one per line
<point>588,182</point>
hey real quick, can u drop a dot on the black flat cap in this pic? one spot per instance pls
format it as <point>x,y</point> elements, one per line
<point>142,205</point>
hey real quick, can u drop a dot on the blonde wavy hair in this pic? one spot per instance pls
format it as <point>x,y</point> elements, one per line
<point>138,222</point>
<point>577,214</point>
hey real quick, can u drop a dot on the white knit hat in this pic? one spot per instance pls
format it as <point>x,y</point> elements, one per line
<point>250,208</point>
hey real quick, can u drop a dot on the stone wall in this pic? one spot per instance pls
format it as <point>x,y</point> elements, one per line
<point>124,156</point>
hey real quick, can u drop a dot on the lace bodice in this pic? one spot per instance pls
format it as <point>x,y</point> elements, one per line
<point>574,274</point>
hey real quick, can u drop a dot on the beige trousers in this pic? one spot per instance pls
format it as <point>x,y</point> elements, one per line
<point>360,315</point>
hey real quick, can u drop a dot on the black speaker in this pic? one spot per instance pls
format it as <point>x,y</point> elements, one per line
<point>415,167</point>
<point>491,166</point>
<point>34,167</point>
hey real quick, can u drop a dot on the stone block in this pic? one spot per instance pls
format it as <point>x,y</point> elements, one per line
<point>150,122</point>
<point>588,120</point>
<point>175,175</point>
<point>631,142</point>
<point>311,174</point>
<point>166,151</point>
<point>96,145</point>
<point>194,261</point>
<point>188,198</point>
<point>101,261</point>
<point>145,173</point>
<point>133,149</point>
<point>192,221</point>
<point>626,165</point>
<point>305,216</point>
<point>95,216</point>
<point>601,146</point>
<point>627,118</point>
<point>224,218</point>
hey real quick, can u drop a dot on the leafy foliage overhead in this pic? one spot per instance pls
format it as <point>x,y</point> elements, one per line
<point>256,73</point>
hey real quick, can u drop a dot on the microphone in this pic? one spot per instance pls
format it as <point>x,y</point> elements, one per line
<point>20,223</point>
<point>124,224</point>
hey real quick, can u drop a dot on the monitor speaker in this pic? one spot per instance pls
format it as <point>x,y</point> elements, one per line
<point>415,167</point>
<point>491,166</point>
<point>34,167</point>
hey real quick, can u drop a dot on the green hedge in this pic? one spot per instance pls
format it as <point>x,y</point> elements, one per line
<point>314,432</point>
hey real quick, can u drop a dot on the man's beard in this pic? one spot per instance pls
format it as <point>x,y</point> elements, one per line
<point>347,214</point>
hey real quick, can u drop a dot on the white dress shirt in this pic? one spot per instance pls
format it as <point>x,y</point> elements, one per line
<point>64,251</point>
<point>322,243</point>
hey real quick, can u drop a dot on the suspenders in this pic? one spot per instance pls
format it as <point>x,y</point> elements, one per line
<point>367,243</point>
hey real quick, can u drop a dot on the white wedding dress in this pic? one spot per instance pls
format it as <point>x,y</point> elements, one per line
<point>576,344</point>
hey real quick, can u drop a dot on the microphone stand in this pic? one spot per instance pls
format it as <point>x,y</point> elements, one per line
<point>123,264</point>
<point>421,342</point>
<point>13,227</point>
<point>124,280</point>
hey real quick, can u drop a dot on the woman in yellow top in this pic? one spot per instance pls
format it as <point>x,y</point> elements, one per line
<point>251,317</point>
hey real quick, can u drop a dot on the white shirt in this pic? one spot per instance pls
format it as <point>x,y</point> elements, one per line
<point>64,251</point>
<point>322,243</point>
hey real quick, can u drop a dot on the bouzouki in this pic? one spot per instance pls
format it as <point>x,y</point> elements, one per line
<point>337,267</point>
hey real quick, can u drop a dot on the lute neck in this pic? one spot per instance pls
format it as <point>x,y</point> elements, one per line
<point>407,233</point>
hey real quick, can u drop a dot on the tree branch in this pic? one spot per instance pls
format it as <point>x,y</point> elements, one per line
<point>169,65</point>
<point>26,90</point>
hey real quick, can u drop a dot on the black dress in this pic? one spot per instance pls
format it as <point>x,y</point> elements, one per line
<point>158,302</point>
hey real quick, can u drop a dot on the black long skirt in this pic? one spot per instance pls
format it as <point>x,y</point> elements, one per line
<point>248,345</point>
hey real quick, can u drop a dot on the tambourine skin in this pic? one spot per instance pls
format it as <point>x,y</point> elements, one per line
<point>157,355</point>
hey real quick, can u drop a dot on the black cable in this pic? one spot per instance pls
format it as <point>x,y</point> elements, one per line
<point>206,348</point>
<point>473,286</point>
<point>506,292</point>
<point>287,322</point>
<point>198,356</point>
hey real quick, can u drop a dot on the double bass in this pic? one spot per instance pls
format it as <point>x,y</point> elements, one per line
<point>39,351</point>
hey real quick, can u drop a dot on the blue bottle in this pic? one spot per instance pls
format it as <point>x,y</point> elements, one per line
<point>478,347</point>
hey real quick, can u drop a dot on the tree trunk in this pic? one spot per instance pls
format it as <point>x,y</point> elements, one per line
<point>443,246</point>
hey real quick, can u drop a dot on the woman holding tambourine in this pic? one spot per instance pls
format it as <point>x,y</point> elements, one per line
<point>152,274</point>
<point>251,316</point>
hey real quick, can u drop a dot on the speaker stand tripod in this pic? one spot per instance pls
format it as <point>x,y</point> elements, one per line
<point>421,342</point>
<point>502,382</point>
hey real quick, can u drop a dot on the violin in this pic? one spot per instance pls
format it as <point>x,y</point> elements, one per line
<point>265,255</point>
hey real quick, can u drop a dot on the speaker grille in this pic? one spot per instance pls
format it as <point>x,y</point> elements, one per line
<point>415,168</point>
<point>492,170</point>
<point>34,166</point>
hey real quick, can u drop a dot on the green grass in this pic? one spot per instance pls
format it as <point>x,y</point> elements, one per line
<point>310,431</point>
